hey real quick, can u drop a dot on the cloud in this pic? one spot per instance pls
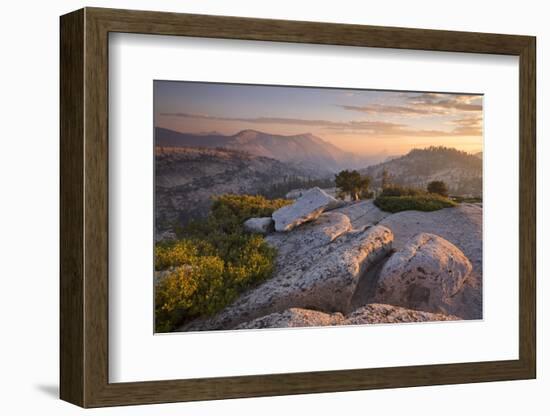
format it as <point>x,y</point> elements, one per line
<point>426,104</point>
<point>387,109</point>
<point>468,126</point>
<point>447,102</point>
<point>261,120</point>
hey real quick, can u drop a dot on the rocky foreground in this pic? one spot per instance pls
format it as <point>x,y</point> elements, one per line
<point>355,264</point>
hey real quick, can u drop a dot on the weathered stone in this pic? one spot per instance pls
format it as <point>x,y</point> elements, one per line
<point>306,208</point>
<point>295,193</point>
<point>322,277</point>
<point>301,242</point>
<point>462,226</point>
<point>294,318</point>
<point>389,314</point>
<point>165,236</point>
<point>424,275</point>
<point>363,213</point>
<point>263,225</point>
<point>366,315</point>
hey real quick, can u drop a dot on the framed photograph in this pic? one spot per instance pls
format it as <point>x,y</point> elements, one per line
<point>256,207</point>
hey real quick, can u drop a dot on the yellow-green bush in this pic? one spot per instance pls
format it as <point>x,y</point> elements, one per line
<point>188,290</point>
<point>180,253</point>
<point>213,261</point>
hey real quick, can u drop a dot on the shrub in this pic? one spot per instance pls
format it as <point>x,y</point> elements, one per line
<point>229,212</point>
<point>427,202</point>
<point>438,187</point>
<point>396,190</point>
<point>173,254</point>
<point>188,290</point>
<point>466,199</point>
<point>243,207</point>
<point>213,261</point>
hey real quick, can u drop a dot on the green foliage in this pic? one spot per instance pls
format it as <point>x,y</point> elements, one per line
<point>438,187</point>
<point>353,184</point>
<point>213,261</point>
<point>396,190</point>
<point>470,200</point>
<point>173,254</point>
<point>189,290</point>
<point>426,202</point>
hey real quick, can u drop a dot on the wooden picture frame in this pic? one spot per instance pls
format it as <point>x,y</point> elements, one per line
<point>84,207</point>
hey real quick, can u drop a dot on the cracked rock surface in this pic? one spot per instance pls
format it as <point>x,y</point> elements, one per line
<point>318,267</point>
<point>366,315</point>
<point>425,274</point>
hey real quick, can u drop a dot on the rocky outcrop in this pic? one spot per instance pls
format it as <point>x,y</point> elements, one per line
<point>390,314</point>
<point>262,225</point>
<point>363,213</point>
<point>424,275</point>
<point>294,245</point>
<point>318,267</point>
<point>328,271</point>
<point>366,315</point>
<point>294,318</point>
<point>306,208</point>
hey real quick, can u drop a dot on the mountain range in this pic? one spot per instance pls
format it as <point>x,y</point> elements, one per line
<point>305,151</point>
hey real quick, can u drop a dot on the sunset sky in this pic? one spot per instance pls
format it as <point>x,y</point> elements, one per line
<point>366,122</point>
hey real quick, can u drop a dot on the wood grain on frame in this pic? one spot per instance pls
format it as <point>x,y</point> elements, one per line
<point>84,207</point>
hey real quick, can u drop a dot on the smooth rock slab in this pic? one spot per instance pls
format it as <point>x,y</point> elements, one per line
<point>302,242</point>
<point>363,213</point>
<point>424,275</point>
<point>262,225</point>
<point>306,208</point>
<point>321,278</point>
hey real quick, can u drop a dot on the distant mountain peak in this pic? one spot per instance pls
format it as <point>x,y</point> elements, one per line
<point>305,150</point>
<point>248,132</point>
<point>257,133</point>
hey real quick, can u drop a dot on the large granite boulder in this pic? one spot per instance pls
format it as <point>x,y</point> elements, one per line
<point>262,225</point>
<point>318,267</point>
<point>424,275</point>
<point>306,208</point>
<point>463,227</point>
